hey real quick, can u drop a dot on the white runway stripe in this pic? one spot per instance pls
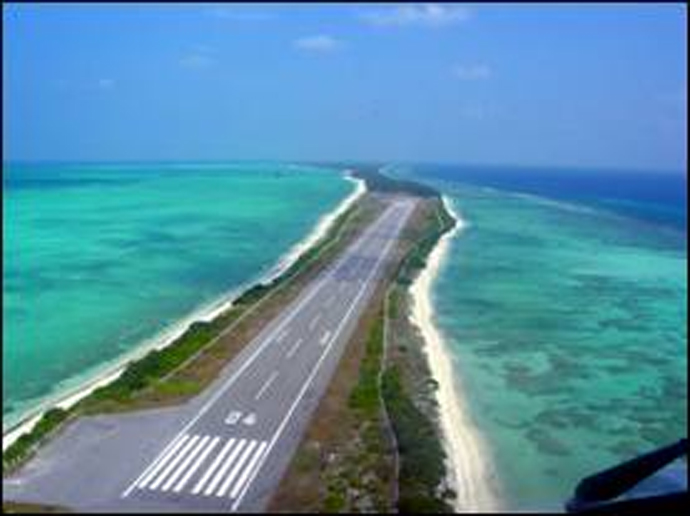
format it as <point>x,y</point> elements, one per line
<point>186,462</point>
<point>168,469</point>
<point>294,348</point>
<point>325,337</point>
<point>164,457</point>
<point>214,465</point>
<point>221,472</point>
<point>266,385</point>
<point>314,321</point>
<point>245,474</point>
<point>226,485</point>
<point>196,465</point>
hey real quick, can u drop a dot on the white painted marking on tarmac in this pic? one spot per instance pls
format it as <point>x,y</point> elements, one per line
<point>250,420</point>
<point>311,377</point>
<point>168,469</point>
<point>226,485</point>
<point>250,467</point>
<point>186,462</point>
<point>282,335</point>
<point>294,348</point>
<point>266,385</point>
<point>196,465</point>
<point>221,472</point>
<point>315,321</point>
<point>214,465</point>
<point>233,417</point>
<point>324,338</point>
<point>161,461</point>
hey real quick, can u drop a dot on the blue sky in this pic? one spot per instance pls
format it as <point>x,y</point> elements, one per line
<point>567,85</point>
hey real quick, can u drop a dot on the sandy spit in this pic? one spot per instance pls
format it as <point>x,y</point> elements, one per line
<point>468,464</point>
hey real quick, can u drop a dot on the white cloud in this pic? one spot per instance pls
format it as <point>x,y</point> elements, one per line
<point>423,15</point>
<point>318,43</point>
<point>472,72</point>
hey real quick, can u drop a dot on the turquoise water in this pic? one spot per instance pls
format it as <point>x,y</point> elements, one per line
<point>98,258</point>
<point>567,325</point>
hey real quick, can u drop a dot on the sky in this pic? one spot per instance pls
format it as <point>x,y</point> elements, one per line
<point>544,85</point>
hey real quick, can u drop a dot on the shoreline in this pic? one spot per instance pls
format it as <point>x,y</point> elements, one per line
<point>164,338</point>
<point>468,473</point>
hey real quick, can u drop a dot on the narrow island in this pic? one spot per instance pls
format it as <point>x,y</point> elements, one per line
<point>390,448</point>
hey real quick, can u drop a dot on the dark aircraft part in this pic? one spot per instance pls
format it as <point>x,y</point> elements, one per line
<point>609,491</point>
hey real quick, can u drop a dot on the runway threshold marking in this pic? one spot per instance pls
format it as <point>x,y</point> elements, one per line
<point>237,457</point>
<point>183,481</point>
<point>185,462</point>
<point>214,466</point>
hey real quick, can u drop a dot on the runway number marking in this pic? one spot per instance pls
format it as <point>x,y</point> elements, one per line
<point>250,420</point>
<point>233,417</point>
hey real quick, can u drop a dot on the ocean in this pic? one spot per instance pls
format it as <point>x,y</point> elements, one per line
<point>100,258</point>
<point>564,306</point>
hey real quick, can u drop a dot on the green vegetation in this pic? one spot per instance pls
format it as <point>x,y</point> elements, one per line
<point>360,477</point>
<point>30,508</point>
<point>422,457</point>
<point>23,446</point>
<point>365,396</point>
<point>415,260</point>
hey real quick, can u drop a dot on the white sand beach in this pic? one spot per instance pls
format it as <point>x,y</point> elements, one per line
<point>468,463</point>
<point>207,312</point>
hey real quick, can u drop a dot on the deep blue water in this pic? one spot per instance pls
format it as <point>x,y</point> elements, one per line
<point>659,197</point>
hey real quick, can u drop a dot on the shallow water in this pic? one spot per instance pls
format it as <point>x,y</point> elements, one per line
<point>100,257</point>
<point>567,325</point>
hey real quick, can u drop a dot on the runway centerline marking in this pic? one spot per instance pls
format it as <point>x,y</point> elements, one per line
<point>324,338</point>
<point>315,321</point>
<point>294,348</point>
<point>266,385</point>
